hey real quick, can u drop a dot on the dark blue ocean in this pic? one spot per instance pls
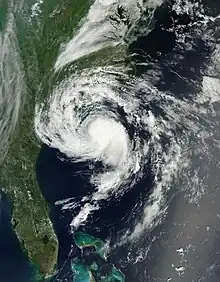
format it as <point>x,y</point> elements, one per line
<point>14,265</point>
<point>60,178</point>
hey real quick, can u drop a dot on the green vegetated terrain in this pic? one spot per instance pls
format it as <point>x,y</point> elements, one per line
<point>39,39</point>
<point>39,44</point>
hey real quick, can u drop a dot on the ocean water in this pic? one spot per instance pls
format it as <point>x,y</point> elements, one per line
<point>60,178</point>
<point>131,155</point>
<point>14,263</point>
<point>152,211</point>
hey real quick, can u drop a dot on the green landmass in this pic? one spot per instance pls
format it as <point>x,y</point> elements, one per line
<point>39,44</point>
<point>40,40</point>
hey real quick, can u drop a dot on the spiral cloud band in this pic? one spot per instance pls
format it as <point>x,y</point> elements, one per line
<point>106,115</point>
<point>92,117</point>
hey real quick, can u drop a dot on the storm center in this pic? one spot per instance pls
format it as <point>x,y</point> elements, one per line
<point>110,139</point>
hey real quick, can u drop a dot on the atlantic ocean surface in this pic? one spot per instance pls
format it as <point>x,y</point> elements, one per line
<point>60,178</point>
<point>160,218</point>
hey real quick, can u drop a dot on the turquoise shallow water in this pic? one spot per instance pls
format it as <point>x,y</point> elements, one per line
<point>170,78</point>
<point>18,24</point>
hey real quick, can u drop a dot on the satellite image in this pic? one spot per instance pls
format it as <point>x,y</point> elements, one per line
<point>109,140</point>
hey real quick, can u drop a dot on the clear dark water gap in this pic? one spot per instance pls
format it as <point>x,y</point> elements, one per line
<point>60,179</point>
